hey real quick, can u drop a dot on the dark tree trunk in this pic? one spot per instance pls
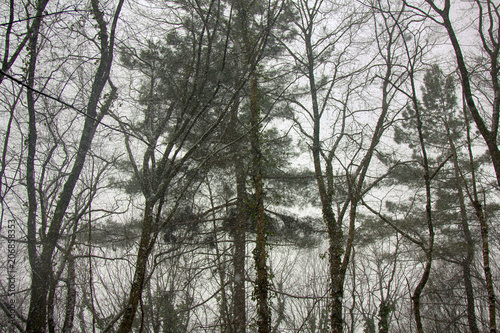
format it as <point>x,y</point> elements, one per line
<point>260,254</point>
<point>467,261</point>
<point>135,293</point>
<point>336,278</point>
<point>489,135</point>
<point>32,32</point>
<point>486,266</point>
<point>39,281</point>
<point>70,296</point>
<point>251,61</point>
<point>384,314</point>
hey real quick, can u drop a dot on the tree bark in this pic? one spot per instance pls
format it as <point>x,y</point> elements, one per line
<point>384,314</point>
<point>259,252</point>
<point>467,261</point>
<point>335,237</point>
<point>474,198</point>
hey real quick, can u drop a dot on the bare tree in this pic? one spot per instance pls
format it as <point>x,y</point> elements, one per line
<point>41,248</point>
<point>327,150</point>
<point>488,19</point>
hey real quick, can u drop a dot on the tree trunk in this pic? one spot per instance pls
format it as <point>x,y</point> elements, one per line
<point>135,293</point>
<point>39,281</point>
<point>239,236</point>
<point>469,251</point>
<point>417,293</point>
<point>336,279</point>
<point>70,296</point>
<point>384,314</point>
<point>467,261</point>
<point>428,209</point>
<point>260,255</point>
<point>51,324</point>
<point>474,198</point>
<point>32,31</point>
<point>486,266</point>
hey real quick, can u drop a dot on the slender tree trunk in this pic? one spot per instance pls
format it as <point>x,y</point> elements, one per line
<point>469,292</point>
<point>336,280</point>
<point>51,324</point>
<point>474,198</point>
<point>225,317</point>
<point>239,235</point>
<point>417,293</point>
<point>39,282</point>
<point>239,297</point>
<point>469,251</point>
<point>8,60</point>
<point>467,261</point>
<point>335,236</point>
<point>260,254</point>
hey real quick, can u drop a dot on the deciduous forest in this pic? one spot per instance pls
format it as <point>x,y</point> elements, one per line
<point>171,166</point>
